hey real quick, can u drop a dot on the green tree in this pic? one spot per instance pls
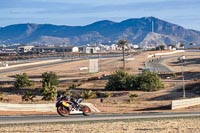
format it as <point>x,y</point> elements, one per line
<point>49,83</point>
<point>191,44</point>
<point>119,80</point>
<point>160,47</point>
<point>132,82</point>
<point>149,81</point>
<point>122,44</point>
<point>182,45</point>
<point>22,80</point>
<point>172,45</point>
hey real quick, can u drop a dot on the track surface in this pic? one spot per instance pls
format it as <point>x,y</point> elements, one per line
<point>94,117</point>
<point>157,66</point>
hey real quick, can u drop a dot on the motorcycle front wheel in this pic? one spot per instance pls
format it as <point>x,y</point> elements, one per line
<point>86,110</point>
<point>62,111</point>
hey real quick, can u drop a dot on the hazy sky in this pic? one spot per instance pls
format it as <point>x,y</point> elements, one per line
<point>83,12</point>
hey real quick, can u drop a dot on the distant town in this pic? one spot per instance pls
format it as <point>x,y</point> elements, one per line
<point>88,49</point>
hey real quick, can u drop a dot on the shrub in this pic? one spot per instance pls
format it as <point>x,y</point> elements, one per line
<point>119,80</point>
<point>132,82</point>
<point>49,83</point>
<point>49,92</point>
<point>51,78</point>
<point>1,96</point>
<point>88,94</point>
<point>28,96</point>
<point>107,94</point>
<point>68,93</point>
<point>133,97</point>
<point>174,75</point>
<point>149,81</point>
<point>103,94</point>
<point>73,86</point>
<point>22,80</point>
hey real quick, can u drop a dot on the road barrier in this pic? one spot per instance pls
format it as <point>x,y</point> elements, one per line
<point>92,107</point>
<point>167,53</point>
<point>32,63</point>
<point>177,104</point>
<point>28,107</point>
<point>36,107</point>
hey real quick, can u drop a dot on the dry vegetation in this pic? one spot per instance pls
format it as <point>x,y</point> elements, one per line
<point>181,125</point>
<point>146,101</point>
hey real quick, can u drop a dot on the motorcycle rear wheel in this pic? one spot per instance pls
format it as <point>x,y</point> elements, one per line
<point>62,111</point>
<point>86,110</point>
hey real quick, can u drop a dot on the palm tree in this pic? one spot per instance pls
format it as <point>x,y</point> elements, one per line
<point>182,45</point>
<point>171,45</point>
<point>122,44</point>
<point>191,44</point>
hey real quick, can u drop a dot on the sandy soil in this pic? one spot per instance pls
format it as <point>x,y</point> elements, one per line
<point>159,101</point>
<point>107,66</point>
<point>192,63</point>
<point>72,69</point>
<point>182,125</point>
<point>146,101</point>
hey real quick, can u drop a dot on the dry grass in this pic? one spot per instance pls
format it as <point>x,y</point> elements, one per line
<point>71,69</point>
<point>146,101</point>
<point>192,62</point>
<point>178,125</point>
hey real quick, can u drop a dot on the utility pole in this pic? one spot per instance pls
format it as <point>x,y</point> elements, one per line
<point>183,78</point>
<point>152,26</point>
<point>182,60</point>
<point>123,57</point>
<point>100,60</point>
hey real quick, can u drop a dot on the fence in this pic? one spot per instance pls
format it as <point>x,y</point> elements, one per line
<point>177,104</point>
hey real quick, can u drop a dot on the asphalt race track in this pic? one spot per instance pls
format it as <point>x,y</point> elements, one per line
<point>94,117</point>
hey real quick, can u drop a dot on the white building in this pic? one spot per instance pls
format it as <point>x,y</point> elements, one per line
<point>24,49</point>
<point>75,49</point>
<point>171,47</point>
<point>114,47</point>
<point>45,49</point>
<point>90,49</point>
<point>135,46</point>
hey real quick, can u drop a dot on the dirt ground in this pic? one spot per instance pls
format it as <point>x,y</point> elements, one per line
<point>159,101</point>
<point>72,69</point>
<point>145,102</point>
<point>191,65</point>
<point>175,125</point>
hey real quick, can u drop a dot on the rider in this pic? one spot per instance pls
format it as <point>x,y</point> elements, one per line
<point>73,100</point>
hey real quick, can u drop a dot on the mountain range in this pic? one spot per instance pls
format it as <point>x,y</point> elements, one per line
<point>136,31</point>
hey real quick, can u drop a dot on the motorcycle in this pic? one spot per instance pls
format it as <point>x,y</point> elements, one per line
<point>67,105</point>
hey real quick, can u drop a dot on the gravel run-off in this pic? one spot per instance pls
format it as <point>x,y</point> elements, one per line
<point>173,125</point>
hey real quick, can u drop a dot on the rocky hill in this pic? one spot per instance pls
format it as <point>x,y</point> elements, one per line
<point>136,31</point>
